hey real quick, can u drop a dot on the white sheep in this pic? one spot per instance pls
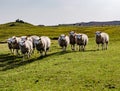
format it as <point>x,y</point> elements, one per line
<point>82,41</point>
<point>26,48</point>
<point>33,38</point>
<point>9,42</point>
<point>42,44</point>
<point>30,38</point>
<point>72,37</point>
<point>15,43</point>
<point>63,41</point>
<point>24,38</point>
<point>102,38</point>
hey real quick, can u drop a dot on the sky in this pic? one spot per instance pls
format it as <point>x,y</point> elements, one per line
<point>53,12</point>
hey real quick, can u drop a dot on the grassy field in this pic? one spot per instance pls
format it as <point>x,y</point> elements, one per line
<point>91,70</point>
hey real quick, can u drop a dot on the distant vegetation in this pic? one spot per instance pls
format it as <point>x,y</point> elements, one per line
<point>18,29</point>
<point>94,23</point>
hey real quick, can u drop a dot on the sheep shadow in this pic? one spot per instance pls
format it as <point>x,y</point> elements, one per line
<point>54,54</point>
<point>9,61</point>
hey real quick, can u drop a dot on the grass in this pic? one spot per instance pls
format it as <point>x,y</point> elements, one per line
<point>91,70</point>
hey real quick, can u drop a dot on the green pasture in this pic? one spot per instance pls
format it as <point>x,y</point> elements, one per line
<point>91,70</point>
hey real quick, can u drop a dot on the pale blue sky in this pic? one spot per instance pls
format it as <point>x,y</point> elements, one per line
<point>52,12</point>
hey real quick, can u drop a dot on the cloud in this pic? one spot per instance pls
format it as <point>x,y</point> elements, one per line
<point>51,12</point>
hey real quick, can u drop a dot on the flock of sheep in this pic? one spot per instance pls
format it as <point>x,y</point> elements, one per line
<point>27,45</point>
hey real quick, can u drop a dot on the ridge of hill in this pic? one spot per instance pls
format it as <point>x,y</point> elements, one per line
<point>94,23</point>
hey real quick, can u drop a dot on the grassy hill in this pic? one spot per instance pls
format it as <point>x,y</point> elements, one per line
<point>19,29</point>
<point>91,70</point>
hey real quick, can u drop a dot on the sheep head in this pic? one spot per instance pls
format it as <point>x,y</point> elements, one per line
<point>72,33</point>
<point>98,33</point>
<point>79,36</point>
<point>38,40</point>
<point>13,39</point>
<point>22,43</point>
<point>62,37</point>
<point>9,41</point>
<point>23,38</point>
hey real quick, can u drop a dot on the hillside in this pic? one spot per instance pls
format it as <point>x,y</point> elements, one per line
<point>19,29</point>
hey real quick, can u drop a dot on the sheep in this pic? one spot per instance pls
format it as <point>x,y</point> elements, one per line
<point>42,44</point>
<point>72,37</point>
<point>24,38</point>
<point>102,38</point>
<point>63,41</point>
<point>33,38</point>
<point>26,47</point>
<point>9,42</point>
<point>30,38</point>
<point>82,41</point>
<point>15,43</point>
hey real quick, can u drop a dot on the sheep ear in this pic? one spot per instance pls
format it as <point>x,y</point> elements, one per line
<point>96,32</point>
<point>75,33</point>
<point>39,38</point>
<point>26,37</point>
<point>81,35</point>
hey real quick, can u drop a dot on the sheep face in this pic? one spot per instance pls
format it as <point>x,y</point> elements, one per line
<point>98,34</point>
<point>9,41</point>
<point>72,33</point>
<point>37,41</point>
<point>13,39</point>
<point>78,36</point>
<point>23,38</point>
<point>62,37</point>
<point>22,43</point>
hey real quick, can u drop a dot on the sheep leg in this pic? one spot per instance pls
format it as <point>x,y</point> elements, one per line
<point>17,53</point>
<point>103,47</point>
<point>23,57</point>
<point>11,51</point>
<point>83,48</point>
<point>79,47</point>
<point>72,47</point>
<point>28,55</point>
<point>31,51</point>
<point>64,48</point>
<point>45,53</point>
<point>106,46</point>
<point>98,47</point>
<point>41,52</point>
